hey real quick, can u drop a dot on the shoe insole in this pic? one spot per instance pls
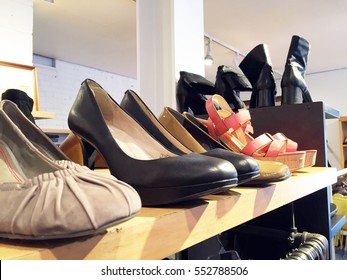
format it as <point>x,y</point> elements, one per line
<point>9,167</point>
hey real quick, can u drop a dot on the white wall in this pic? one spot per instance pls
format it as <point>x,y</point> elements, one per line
<point>59,85</point>
<point>16,30</point>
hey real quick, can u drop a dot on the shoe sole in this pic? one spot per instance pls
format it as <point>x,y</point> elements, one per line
<point>66,236</point>
<point>263,183</point>
<point>244,178</point>
<point>165,196</point>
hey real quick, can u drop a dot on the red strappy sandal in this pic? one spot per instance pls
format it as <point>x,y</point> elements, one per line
<point>291,146</point>
<point>232,129</point>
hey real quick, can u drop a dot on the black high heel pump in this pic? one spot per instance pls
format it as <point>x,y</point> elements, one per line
<point>246,167</point>
<point>135,157</point>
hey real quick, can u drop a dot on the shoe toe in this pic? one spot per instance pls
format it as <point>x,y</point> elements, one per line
<point>246,166</point>
<point>65,204</point>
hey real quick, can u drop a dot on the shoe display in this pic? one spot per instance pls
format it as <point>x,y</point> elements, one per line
<point>179,139</point>
<point>247,168</point>
<point>44,199</point>
<point>257,67</point>
<point>229,83</point>
<point>192,90</point>
<point>293,84</point>
<point>232,130</point>
<point>134,156</point>
<point>270,171</point>
<point>190,134</point>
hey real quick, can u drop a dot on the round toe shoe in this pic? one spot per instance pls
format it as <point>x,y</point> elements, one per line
<point>64,204</point>
<point>247,167</point>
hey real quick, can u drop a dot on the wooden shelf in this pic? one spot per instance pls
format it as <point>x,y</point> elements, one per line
<point>43,115</point>
<point>162,231</point>
<point>56,131</point>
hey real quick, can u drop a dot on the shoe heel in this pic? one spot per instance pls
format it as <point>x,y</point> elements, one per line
<point>264,98</point>
<point>81,152</point>
<point>72,148</point>
<point>89,154</point>
<point>291,95</point>
<point>306,96</point>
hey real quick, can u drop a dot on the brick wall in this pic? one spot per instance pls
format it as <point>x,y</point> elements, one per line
<point>59,85</point>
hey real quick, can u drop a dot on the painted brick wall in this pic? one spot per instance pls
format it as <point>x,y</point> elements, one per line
<point>58,87</point>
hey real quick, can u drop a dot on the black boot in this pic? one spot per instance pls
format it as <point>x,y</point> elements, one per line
<point>191,93</point>
<point>294,88</point>
<point>24,102</point>
<point>229,83</point>
<point>258,69</point>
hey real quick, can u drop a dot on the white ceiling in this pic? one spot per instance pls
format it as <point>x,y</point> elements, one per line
<point>102,33</point>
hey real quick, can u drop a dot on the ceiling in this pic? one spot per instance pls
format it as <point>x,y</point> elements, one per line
<point>102,33</point>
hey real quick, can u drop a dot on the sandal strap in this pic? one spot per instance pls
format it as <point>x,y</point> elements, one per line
<point>264,143</point>
<point>211,130</point>
<point>291,146</point>
<point>222,125</point>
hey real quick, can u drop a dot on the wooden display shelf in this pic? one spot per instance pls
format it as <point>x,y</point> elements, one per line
<point>162,231</point>
<point>56,131</point>
<point>40,115</point>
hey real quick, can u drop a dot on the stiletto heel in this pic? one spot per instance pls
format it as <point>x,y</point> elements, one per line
<point>134,156</point>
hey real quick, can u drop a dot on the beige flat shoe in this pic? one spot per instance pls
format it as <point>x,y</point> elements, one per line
<point>45,199</point>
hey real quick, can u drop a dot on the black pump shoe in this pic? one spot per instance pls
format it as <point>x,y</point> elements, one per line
<point>135,157</point>
<point>229,83</point>
<point>247,168</point>
<point>191,91</point>
<point>294,88</point>
<point>258,69</point>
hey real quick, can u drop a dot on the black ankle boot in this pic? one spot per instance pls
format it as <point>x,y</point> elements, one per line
<point>24,102</point>
<point>258,69</point>
<point>294,88</point>
<point>190,93</point>
<point>229,83</point>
